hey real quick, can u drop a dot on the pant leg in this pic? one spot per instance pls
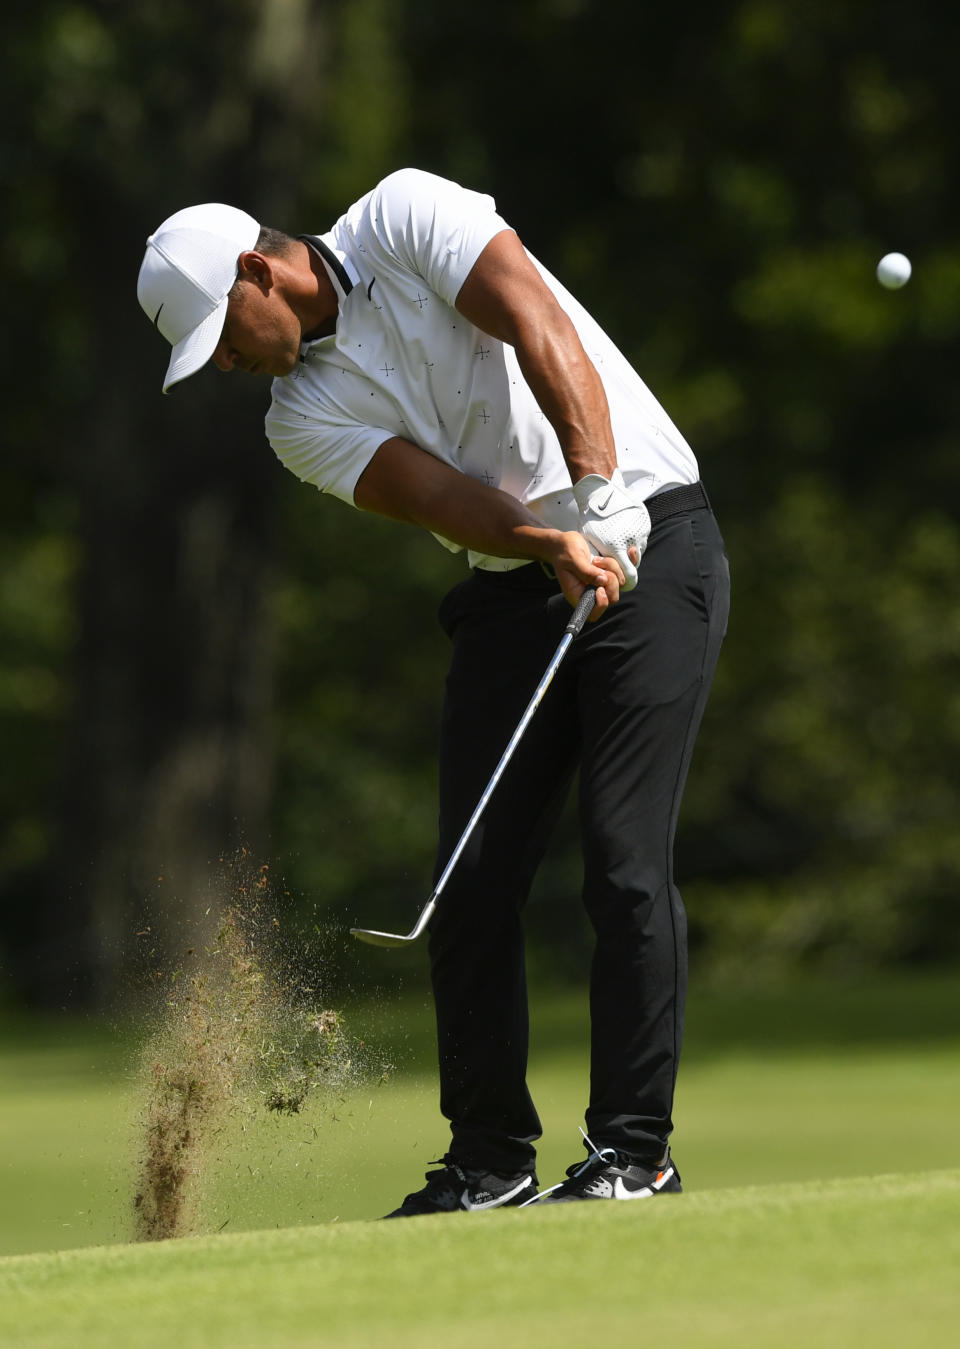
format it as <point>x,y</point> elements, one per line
<point>644,675</point>
<point>504,631</point>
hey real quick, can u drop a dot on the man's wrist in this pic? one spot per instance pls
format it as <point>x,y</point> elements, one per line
<point>540,543</point>
<point>584,487</point>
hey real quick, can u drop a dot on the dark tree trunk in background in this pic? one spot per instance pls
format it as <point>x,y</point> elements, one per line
<point>167,761</point>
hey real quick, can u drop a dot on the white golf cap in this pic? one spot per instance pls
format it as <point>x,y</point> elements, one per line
<point>187,272</point>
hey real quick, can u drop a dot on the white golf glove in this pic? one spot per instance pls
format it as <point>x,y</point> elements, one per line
<point>612,521</point>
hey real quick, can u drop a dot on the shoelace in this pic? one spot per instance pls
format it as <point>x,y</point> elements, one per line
<point>439,1181</point>
<point>598,1157</point>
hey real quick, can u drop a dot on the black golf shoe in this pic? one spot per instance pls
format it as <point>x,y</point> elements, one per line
<point>607,1174</point>
<point>457,1188</point>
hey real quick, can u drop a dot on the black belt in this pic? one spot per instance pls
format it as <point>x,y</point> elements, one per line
<point>690,497</point>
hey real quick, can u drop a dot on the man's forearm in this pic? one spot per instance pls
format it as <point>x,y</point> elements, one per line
<point>405,483</point>
<point>489,521</point>
<point>506,296</point>
<point>408,484</point>
<point>569,391</point>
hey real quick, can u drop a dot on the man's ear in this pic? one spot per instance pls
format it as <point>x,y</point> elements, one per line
<point>257,269</point>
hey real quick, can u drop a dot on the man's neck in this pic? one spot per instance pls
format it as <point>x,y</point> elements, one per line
<point>319,306</point>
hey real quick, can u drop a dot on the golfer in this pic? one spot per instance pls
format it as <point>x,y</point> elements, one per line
<point>426,367</point>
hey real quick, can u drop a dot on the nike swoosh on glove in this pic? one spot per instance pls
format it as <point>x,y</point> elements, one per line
<point>612,521</point>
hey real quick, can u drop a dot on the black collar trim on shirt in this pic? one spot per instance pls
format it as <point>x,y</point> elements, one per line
<point>331,259</point>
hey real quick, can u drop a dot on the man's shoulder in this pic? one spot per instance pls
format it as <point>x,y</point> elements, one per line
<point>398,185</point>
<point>406,191</point>
<point>411,181</point>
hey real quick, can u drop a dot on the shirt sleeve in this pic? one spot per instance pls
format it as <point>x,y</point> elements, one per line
<point>332,460</point>
<point>433,226</point>
<point>331,456</point>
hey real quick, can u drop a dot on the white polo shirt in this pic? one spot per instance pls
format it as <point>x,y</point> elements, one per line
<point>404,362</point>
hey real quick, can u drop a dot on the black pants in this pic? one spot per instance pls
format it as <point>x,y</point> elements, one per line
<point>624,708</point>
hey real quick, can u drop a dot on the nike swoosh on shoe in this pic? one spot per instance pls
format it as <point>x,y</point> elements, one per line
<point>620,1190</point>
<point>499,1200</point>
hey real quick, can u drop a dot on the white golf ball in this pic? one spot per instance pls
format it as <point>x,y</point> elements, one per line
<point>893,271</point>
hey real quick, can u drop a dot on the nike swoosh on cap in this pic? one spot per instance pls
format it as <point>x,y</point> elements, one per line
<point>157,315</point>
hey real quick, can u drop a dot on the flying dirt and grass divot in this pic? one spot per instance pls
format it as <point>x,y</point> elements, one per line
<point>238,1034</point>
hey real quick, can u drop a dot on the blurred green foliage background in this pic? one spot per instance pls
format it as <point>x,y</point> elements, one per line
<point>199,653</point>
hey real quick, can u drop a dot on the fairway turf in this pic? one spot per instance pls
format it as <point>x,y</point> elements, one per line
<point>804,1083</point>
<point>867,1261</point>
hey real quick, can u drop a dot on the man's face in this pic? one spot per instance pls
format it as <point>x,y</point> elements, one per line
<point>261,334</point>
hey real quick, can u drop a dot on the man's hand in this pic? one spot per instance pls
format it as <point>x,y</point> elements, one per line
<point>578,567</point>
<point>612,522</point>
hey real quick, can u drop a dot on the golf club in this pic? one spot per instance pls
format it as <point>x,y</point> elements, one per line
<point>580,615</point>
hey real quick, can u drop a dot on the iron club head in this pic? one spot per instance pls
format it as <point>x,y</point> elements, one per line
<point>379,938</point>
<point>374,938</point>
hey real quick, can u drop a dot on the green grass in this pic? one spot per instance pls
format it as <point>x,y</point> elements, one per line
<point>870,1261</point>
<point>807,1082</point>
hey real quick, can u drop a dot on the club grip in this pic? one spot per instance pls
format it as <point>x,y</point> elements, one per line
<point>583,611</point>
